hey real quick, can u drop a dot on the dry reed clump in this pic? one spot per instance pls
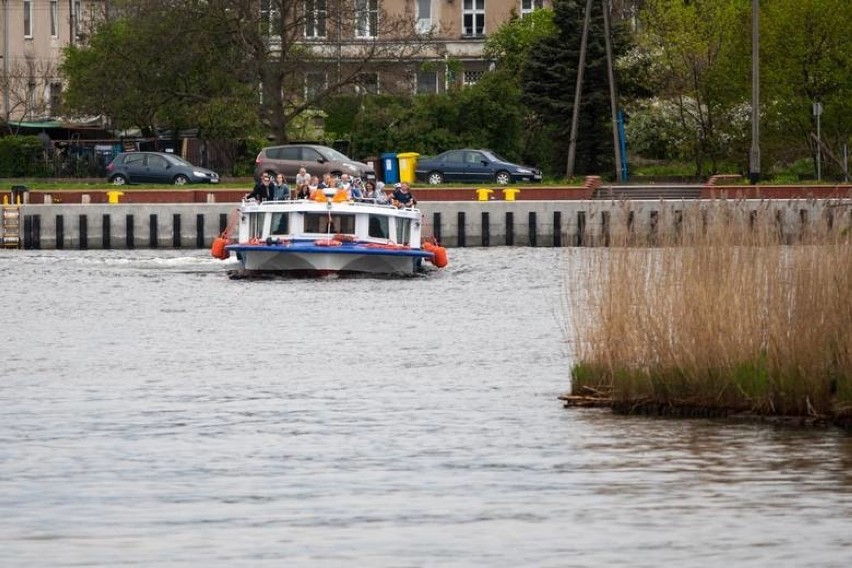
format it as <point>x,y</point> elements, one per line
<point>731,309</point>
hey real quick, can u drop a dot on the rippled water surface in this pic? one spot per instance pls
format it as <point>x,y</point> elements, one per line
<point>154,412</point>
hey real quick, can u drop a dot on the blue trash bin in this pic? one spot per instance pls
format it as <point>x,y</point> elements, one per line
<point>390,167</point>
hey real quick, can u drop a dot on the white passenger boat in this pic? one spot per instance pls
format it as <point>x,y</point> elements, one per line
<point>311,238</point>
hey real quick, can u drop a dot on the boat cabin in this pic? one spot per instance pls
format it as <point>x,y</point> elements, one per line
<point>310,220</point>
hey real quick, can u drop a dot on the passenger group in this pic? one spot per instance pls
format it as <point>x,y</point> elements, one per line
<point>346,189</point>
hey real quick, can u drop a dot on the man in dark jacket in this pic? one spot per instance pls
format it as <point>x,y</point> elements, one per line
<point>263,190</point>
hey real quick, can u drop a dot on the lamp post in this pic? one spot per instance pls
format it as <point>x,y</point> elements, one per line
<point>754,154</point>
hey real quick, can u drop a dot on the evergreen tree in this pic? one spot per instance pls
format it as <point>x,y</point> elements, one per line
<point>549,82</point>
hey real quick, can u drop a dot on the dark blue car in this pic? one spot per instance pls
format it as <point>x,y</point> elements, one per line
<point>156,167</point>
<point>472,166</point>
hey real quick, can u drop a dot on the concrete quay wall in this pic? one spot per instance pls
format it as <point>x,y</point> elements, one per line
<point>455,224</point>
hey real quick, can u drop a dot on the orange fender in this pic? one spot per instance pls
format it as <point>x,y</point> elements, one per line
<point>218,249</point>
<point>439,256</point>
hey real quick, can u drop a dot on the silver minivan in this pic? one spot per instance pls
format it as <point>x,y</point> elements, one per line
<point>317,160</point>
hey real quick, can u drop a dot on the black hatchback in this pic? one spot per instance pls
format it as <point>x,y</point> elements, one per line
<point>156,167</point>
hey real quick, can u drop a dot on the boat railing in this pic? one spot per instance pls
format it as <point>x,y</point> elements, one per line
<point>363,201</point>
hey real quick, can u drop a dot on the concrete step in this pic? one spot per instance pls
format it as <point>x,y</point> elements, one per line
<point>619,192</point>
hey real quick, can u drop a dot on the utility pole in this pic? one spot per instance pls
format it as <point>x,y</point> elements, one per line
<point>612,102</point>
<point>578,91</point>
<point>817,114</point>
<point>754,155</point>
<point>6,61</point>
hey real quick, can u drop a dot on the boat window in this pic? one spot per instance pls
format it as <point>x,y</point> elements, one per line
<point>403,231</point>
<point>319,223</point>
<point>280,224</point>
<point>255,224</point>
<point>379,226</point>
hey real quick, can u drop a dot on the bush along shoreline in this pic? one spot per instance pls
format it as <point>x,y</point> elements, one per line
<point>741,310</point>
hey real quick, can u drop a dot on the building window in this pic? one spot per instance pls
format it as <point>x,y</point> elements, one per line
<point>316,14</point>
<point>367,18</point>
<point>78,18</point>
<point>54,18</point>
<point>530,6</point>
<point>472,77</point>
<point>473,18</point>
<point>367,83</point>
<point>28,18</point>
<point>427,83</point>
<point>424,16</point>
<point>270,18</point>
<point>315,84</point>
<point>55,98</point>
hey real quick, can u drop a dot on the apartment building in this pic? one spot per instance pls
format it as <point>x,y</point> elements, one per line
<point>32,36</point>
<point>451,33</point>
<point>460,28</point>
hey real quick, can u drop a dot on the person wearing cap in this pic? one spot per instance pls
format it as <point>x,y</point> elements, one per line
<point>402,195</point>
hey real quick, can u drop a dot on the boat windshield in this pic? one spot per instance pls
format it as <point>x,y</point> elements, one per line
<point>319,223</point>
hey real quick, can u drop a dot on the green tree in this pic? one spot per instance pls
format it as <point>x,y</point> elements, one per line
<point>549,77</point>
<point>231,64</point>
<point>806,57</point>
<point>510,45</point>
<point>484,115</point>
<point>699,55</point>
<point>296,75</point>
<point>161,65</point>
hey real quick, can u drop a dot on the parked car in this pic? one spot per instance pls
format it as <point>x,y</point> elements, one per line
<point>472,166</point>
<point>317,160</point>
<point>156,167</point>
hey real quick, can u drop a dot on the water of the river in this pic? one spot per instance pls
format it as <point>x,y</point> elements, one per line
<point>154,412</point>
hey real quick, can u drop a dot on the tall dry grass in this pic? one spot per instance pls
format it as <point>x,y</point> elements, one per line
<point>724,306</point>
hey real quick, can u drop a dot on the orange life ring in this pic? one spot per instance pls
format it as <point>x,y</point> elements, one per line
<point>327,243</point>
<point>218,249</point>
<point>344,238</point>
<point>254,241</point>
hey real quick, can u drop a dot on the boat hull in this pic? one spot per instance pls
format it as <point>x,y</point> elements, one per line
<point>319,260</point>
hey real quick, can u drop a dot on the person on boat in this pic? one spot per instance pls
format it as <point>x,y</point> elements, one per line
<point>303,192</point>
<point>356,191</point>
<point>313,185</point>
<point>402,195</point>
<point>373,192</point>
<point>281,191</point>
<point>345,182</point>
<point>303,177</point>
<point>264,190</point>
<point>327,181</point>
